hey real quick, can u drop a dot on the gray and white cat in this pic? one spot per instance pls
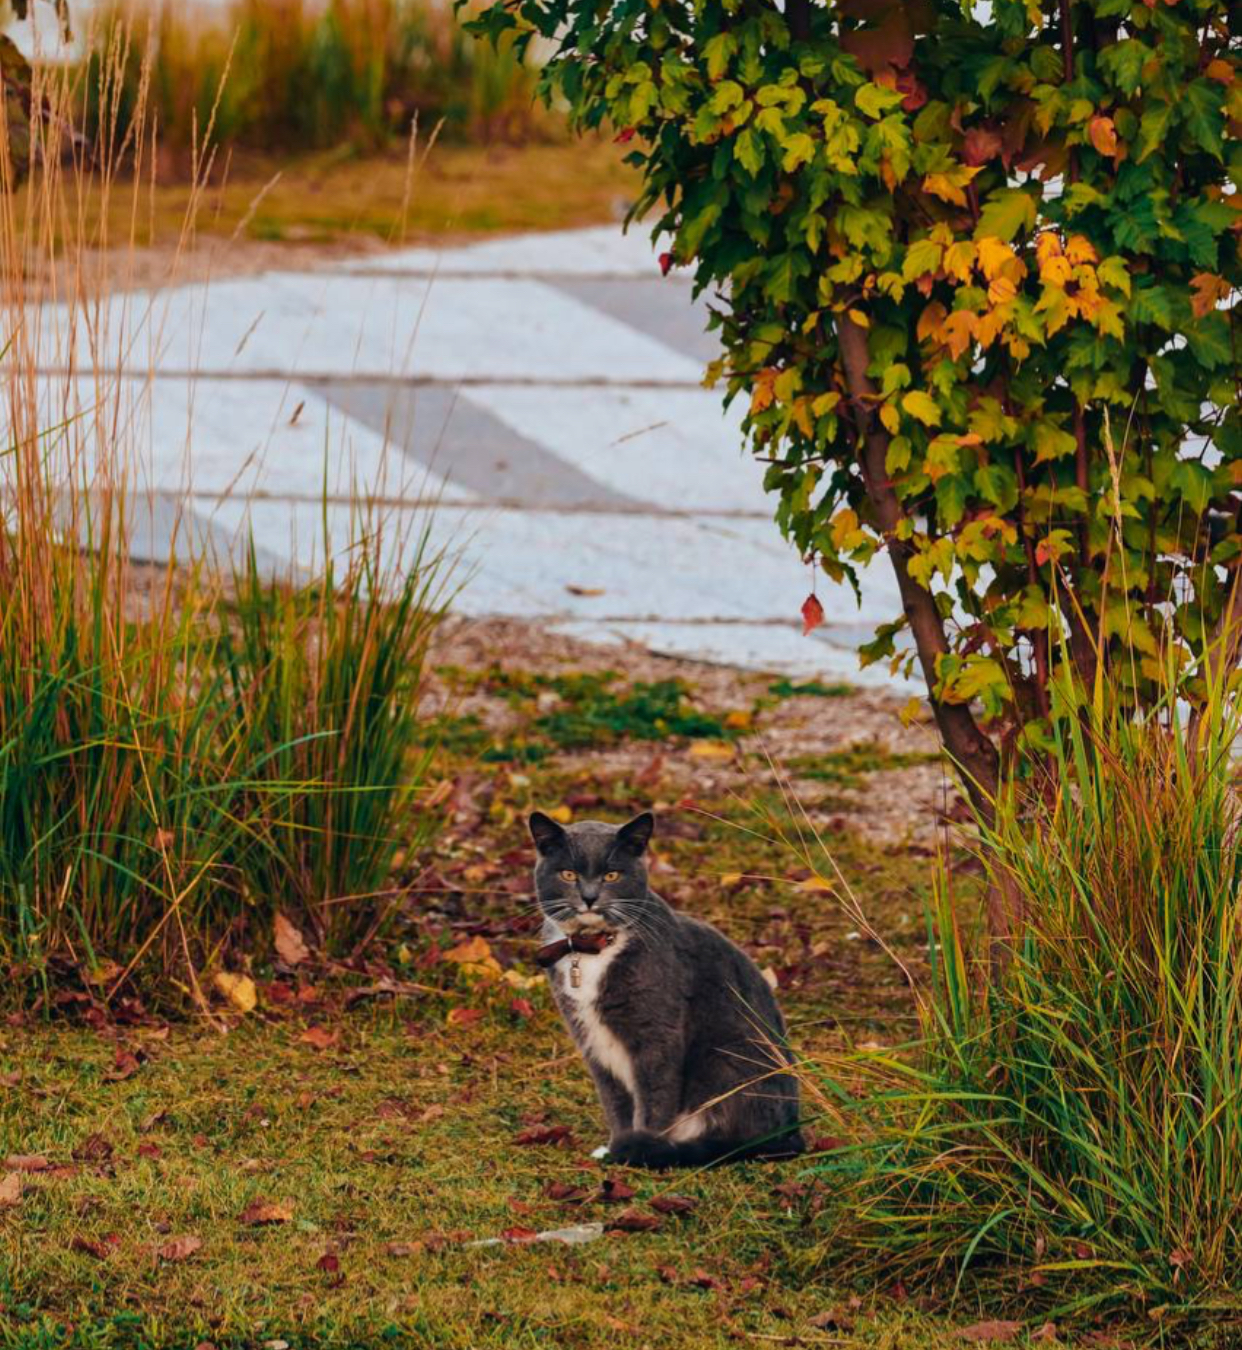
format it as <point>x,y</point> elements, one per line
<point>679,1029</point>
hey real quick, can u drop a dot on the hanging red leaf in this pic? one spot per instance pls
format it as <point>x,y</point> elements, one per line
<point>812,614</point>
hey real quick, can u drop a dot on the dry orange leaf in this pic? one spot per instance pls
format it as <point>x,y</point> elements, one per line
<point>262,1212</point>
<point>290,945</point>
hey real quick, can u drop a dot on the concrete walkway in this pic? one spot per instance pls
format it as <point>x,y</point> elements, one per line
<point>544,392</point>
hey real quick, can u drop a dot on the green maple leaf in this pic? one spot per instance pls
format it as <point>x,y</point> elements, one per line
<point>1204,114</point>
<point>1006,214</point>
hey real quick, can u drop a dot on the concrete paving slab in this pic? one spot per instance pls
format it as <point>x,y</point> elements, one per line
<point>603,251</point>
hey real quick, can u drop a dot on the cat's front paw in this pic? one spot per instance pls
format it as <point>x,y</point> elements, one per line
<point>599,1154</point>
<point>643,1150</point>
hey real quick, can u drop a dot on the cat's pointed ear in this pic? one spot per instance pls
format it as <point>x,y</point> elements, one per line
<point>545,831</point>
<point>635,835</point>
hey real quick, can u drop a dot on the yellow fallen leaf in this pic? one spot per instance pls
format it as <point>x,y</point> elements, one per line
<point>239,990</point>
<point>562,814</point>
<point>473,949</point>
<point>816,884</point>
<point>517,980</point>
<point>712,750</point>
<point>739,719</point>
<point>730,878</point>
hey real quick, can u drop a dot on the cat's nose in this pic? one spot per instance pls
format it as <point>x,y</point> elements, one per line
<point>590,894</point>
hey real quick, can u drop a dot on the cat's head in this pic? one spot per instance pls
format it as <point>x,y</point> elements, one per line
<point>591,874</point>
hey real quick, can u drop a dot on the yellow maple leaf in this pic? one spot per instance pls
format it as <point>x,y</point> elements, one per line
<point>1079,249</point>
<point>1057,271</point>
<point>960,259</point>
<point>1047,245</point>
<point>994,256</point>
<point>949,186</point>
<point>890,418</point>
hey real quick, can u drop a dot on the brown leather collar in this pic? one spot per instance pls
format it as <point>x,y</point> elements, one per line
<point>593,943</point>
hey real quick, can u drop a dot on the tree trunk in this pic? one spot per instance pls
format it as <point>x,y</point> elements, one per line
<point>971,749</point>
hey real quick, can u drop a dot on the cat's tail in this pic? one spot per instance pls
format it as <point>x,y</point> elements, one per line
<point>640,1149</point>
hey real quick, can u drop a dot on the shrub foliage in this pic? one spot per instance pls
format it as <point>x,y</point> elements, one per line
<point>975,268</point>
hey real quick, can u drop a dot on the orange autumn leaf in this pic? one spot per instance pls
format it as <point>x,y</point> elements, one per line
<point>1103,135</point>
<point>1207,291</point>
<point>1220,70</point>
<point>958,330</point>
<point>1047,246</point>
<point>931,321</point>
<point>812,614</point>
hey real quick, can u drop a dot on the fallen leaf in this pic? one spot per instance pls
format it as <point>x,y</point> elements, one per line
<point>124,1066</point>
<point>832,1319</point>
<point>812,614</point>
<point>320,1038</point>
<point>522,1007</point>
<point>404,1248</point>
<point>26,1162</point>
<point>674,1204</point>
<point>566,1193</point>
<point>464,1017</point>
<point>94,1148</point>
<point>990,1331</point>
<point>633,1221</point>
<point>261,1212</point>
<point>711,749</point>
<point>239,990</point>
<point>519,1234</point>
<point>588,592</point>
<point>544,1134</point>
<point>10,1190</point>
<point>149,1150</point>
<point>100,1250</point>
<point>613,1192</point>
<point>179,1249</point>
<point>703,1279</point>
<point>290,944</point>
<point>330,1264</point>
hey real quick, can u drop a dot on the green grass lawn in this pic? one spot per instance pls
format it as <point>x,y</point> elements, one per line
<point>380,1137</point>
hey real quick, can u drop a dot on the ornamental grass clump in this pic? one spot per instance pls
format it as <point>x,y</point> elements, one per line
<point>1068,1132</point>
<point>183,753</point>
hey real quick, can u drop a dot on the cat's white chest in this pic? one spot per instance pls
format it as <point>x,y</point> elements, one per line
<point>580,1003</point>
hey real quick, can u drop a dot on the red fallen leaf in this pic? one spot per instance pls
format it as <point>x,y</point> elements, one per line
<point>669,1274</point>
<point>812,614</point>
<point>464,1017</point>
<point>522,1007</point>
<point>330,1264</point>
<point>519,1234</point>
<point>633,1221</point>
<point>666,263</point>
<point>624,135</point>
<point>825,1143</point>
<point>990,1331</point>
<point>565,1193</point>
<point>545,1134</point>
<point>149,1150</point>
<point>100,1250</point>
<point>94,1148</point>
<point>11,1080</point>
<point>179,1249</point>
<point>125,1066</point>
<point>612,1191</point>
<point>320,1038</point>
<point>260,1212</point>
<point>702,1279</point>
<point>26,1162</point>
<point>674,1204</point>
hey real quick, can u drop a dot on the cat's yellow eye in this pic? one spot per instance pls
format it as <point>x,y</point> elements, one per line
<point>568,875</point>
<point>612,876</point>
